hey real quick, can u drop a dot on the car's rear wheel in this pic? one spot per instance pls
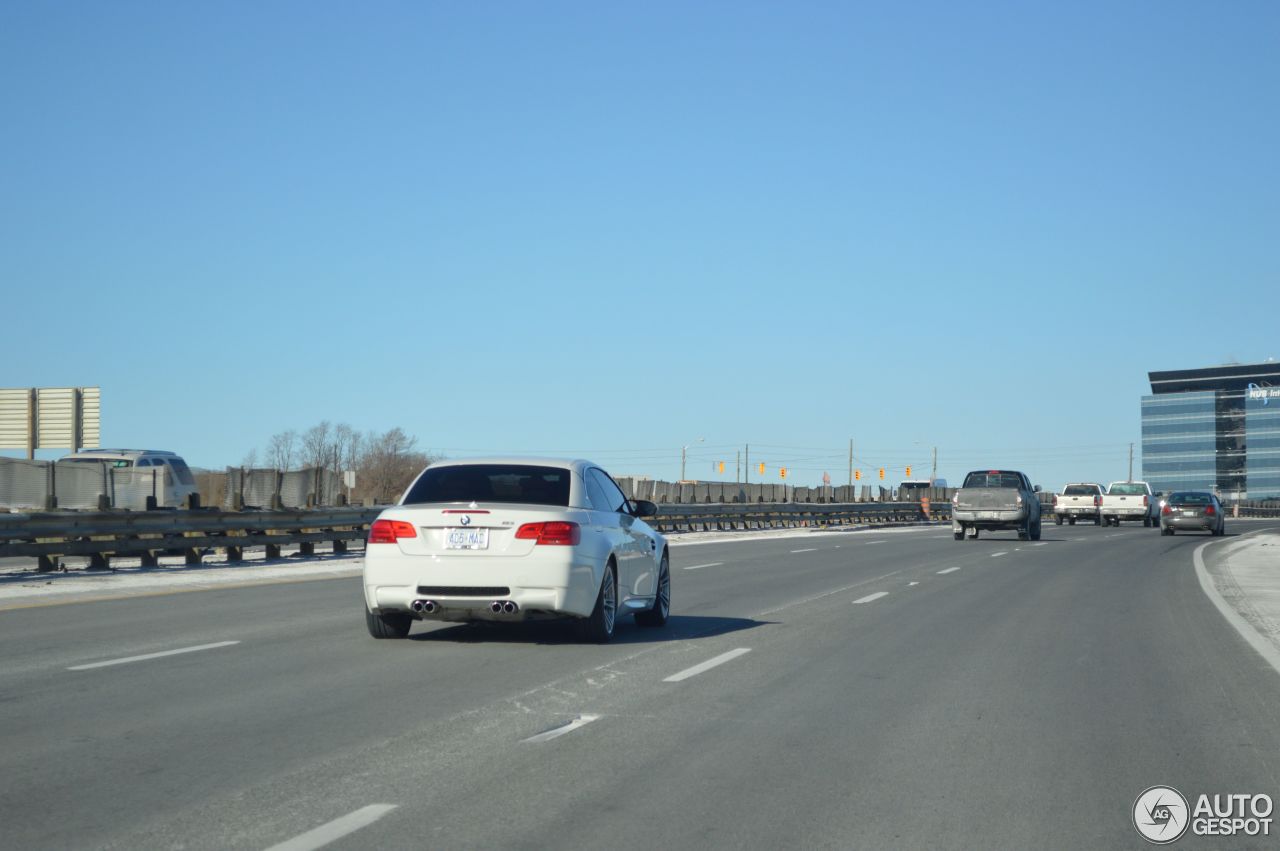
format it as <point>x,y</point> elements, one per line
<point>1146,522</point>
<point>388,625</point>
<point>600,625</point>
<point>959,536</point>
<point>1072,521</point>
<point>1035,531</point>
<point>1058,520</point>
<point>1097,521</point>
<point>657,616</point>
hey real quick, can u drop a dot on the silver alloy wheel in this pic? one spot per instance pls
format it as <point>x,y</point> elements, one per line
<point>609,597</point>
<point>664,589</point>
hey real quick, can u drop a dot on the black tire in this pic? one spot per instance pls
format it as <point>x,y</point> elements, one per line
<point>1097,521</point>
<point>389,625</point>
<point>1170,530</point>
<point>1058,519</point>
<point>601,625</point>
<point>661,611</point>
<point>1035,531</point>
<point>1072,521</point>
<point>1025,534</point>
<point>1146,522</point>
<point>959,536</point>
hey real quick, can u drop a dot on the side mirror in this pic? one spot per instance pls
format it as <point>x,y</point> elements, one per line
<point>644,508</point>
<point>1037,489</point>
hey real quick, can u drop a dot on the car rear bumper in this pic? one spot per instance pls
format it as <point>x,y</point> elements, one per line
<point>1133,513</point>
<point>988,518</point>
<point>1077,511</point>
<point>1202,523</point>
<point>555,583</point>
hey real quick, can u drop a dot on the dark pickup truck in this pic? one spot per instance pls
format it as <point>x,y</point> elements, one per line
<point>996,499</point>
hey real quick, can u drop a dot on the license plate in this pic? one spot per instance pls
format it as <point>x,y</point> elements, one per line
<point>466,539</point>
<point>988,515</point>
<point>1189,513</point>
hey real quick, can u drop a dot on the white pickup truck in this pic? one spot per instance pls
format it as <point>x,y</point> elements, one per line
<point>1130,501</point>
<point>1078,501</point>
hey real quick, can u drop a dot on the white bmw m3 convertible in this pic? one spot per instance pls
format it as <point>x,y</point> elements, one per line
<point>503,539</point>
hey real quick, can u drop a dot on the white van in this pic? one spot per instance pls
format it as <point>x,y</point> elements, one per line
<point>179,483</point>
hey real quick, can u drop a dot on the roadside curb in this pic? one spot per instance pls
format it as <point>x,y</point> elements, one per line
<point>1266,647</point>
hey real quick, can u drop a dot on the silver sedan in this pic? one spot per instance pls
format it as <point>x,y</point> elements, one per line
<point>1198,511</point>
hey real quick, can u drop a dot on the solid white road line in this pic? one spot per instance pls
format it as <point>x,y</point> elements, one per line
<point>700,566</point>
<point>336,829</point>
<point>997,555</point>
<point>806,550</point>
<point>1247,631</point>
<point>557,732</point>
<point>870,597</point>
<point>707,665</point>
<point>948,570</point>
<point>146,656</point>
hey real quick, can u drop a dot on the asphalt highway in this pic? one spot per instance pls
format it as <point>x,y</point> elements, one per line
<point>869,690</point>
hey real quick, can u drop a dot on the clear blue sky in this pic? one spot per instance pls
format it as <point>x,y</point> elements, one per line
<point>613,229</point>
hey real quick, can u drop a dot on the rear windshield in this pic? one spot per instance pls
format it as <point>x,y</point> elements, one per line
<point>1082,490</point>
<point>1190,499</point>
<point>492,483</point>
<point>993,479</point>
<point>1128,489</point>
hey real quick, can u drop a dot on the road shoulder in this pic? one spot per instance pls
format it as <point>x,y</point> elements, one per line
<point>1242,579</point>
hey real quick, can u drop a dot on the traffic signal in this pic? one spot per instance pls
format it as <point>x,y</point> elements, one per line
<point>782,471</point>
<point>762,468</point>
<point>722,466</point>
<point>882,474</point>
<point>908,471</point>
<point>857,475</point>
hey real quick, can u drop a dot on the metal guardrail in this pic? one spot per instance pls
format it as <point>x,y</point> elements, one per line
<point>52,535</point>
<point>787,515</point>
<point>49,536</point>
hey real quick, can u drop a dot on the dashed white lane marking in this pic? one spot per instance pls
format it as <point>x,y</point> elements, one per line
<point>869,543</point>
<point>335,830</point>
<point>700,566</point>
<point>948,570</point>
<point>707,665</point>
<point>557,732</point>
<point>870,597</point>
<point>806,550</point>
<point>146,656</point>
<point>913,583</point>
<point>1038,545</point>
<point>997,555</point>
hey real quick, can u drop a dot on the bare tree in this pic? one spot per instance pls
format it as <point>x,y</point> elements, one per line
<point>317,445</point>
<point>281,449</point>
<point>250,459</point>
<point>389,463</point>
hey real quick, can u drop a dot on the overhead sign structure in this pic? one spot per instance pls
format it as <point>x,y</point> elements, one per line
<point>34,418</point>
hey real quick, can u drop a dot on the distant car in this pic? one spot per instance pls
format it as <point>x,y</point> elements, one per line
<point>1130,500</point>
<point>1079,501</point>
<point>179,484</point>
<point>1192,511</point>
<point>996,499</point>
<point>510,539</point>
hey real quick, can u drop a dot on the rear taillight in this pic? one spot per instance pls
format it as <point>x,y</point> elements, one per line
<point>1097,501</point>
<point>1209,510</point>
<point>555,532</point>
<point>1166,509</point>
<point>390,531</point>
<point>1055,500</point>
<point>1146,500</point>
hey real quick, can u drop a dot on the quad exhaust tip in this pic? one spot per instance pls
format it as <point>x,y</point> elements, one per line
<point>504,607</point>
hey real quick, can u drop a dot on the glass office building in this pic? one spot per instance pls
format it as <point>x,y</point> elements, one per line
<point>1214,429</point>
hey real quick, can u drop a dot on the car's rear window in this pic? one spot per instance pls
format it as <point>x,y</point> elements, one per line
<point>1081,490</point>
<point>492,483</point>
<point>993,479</point>
<point>1190,499</point>
<point>1127,489</point>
